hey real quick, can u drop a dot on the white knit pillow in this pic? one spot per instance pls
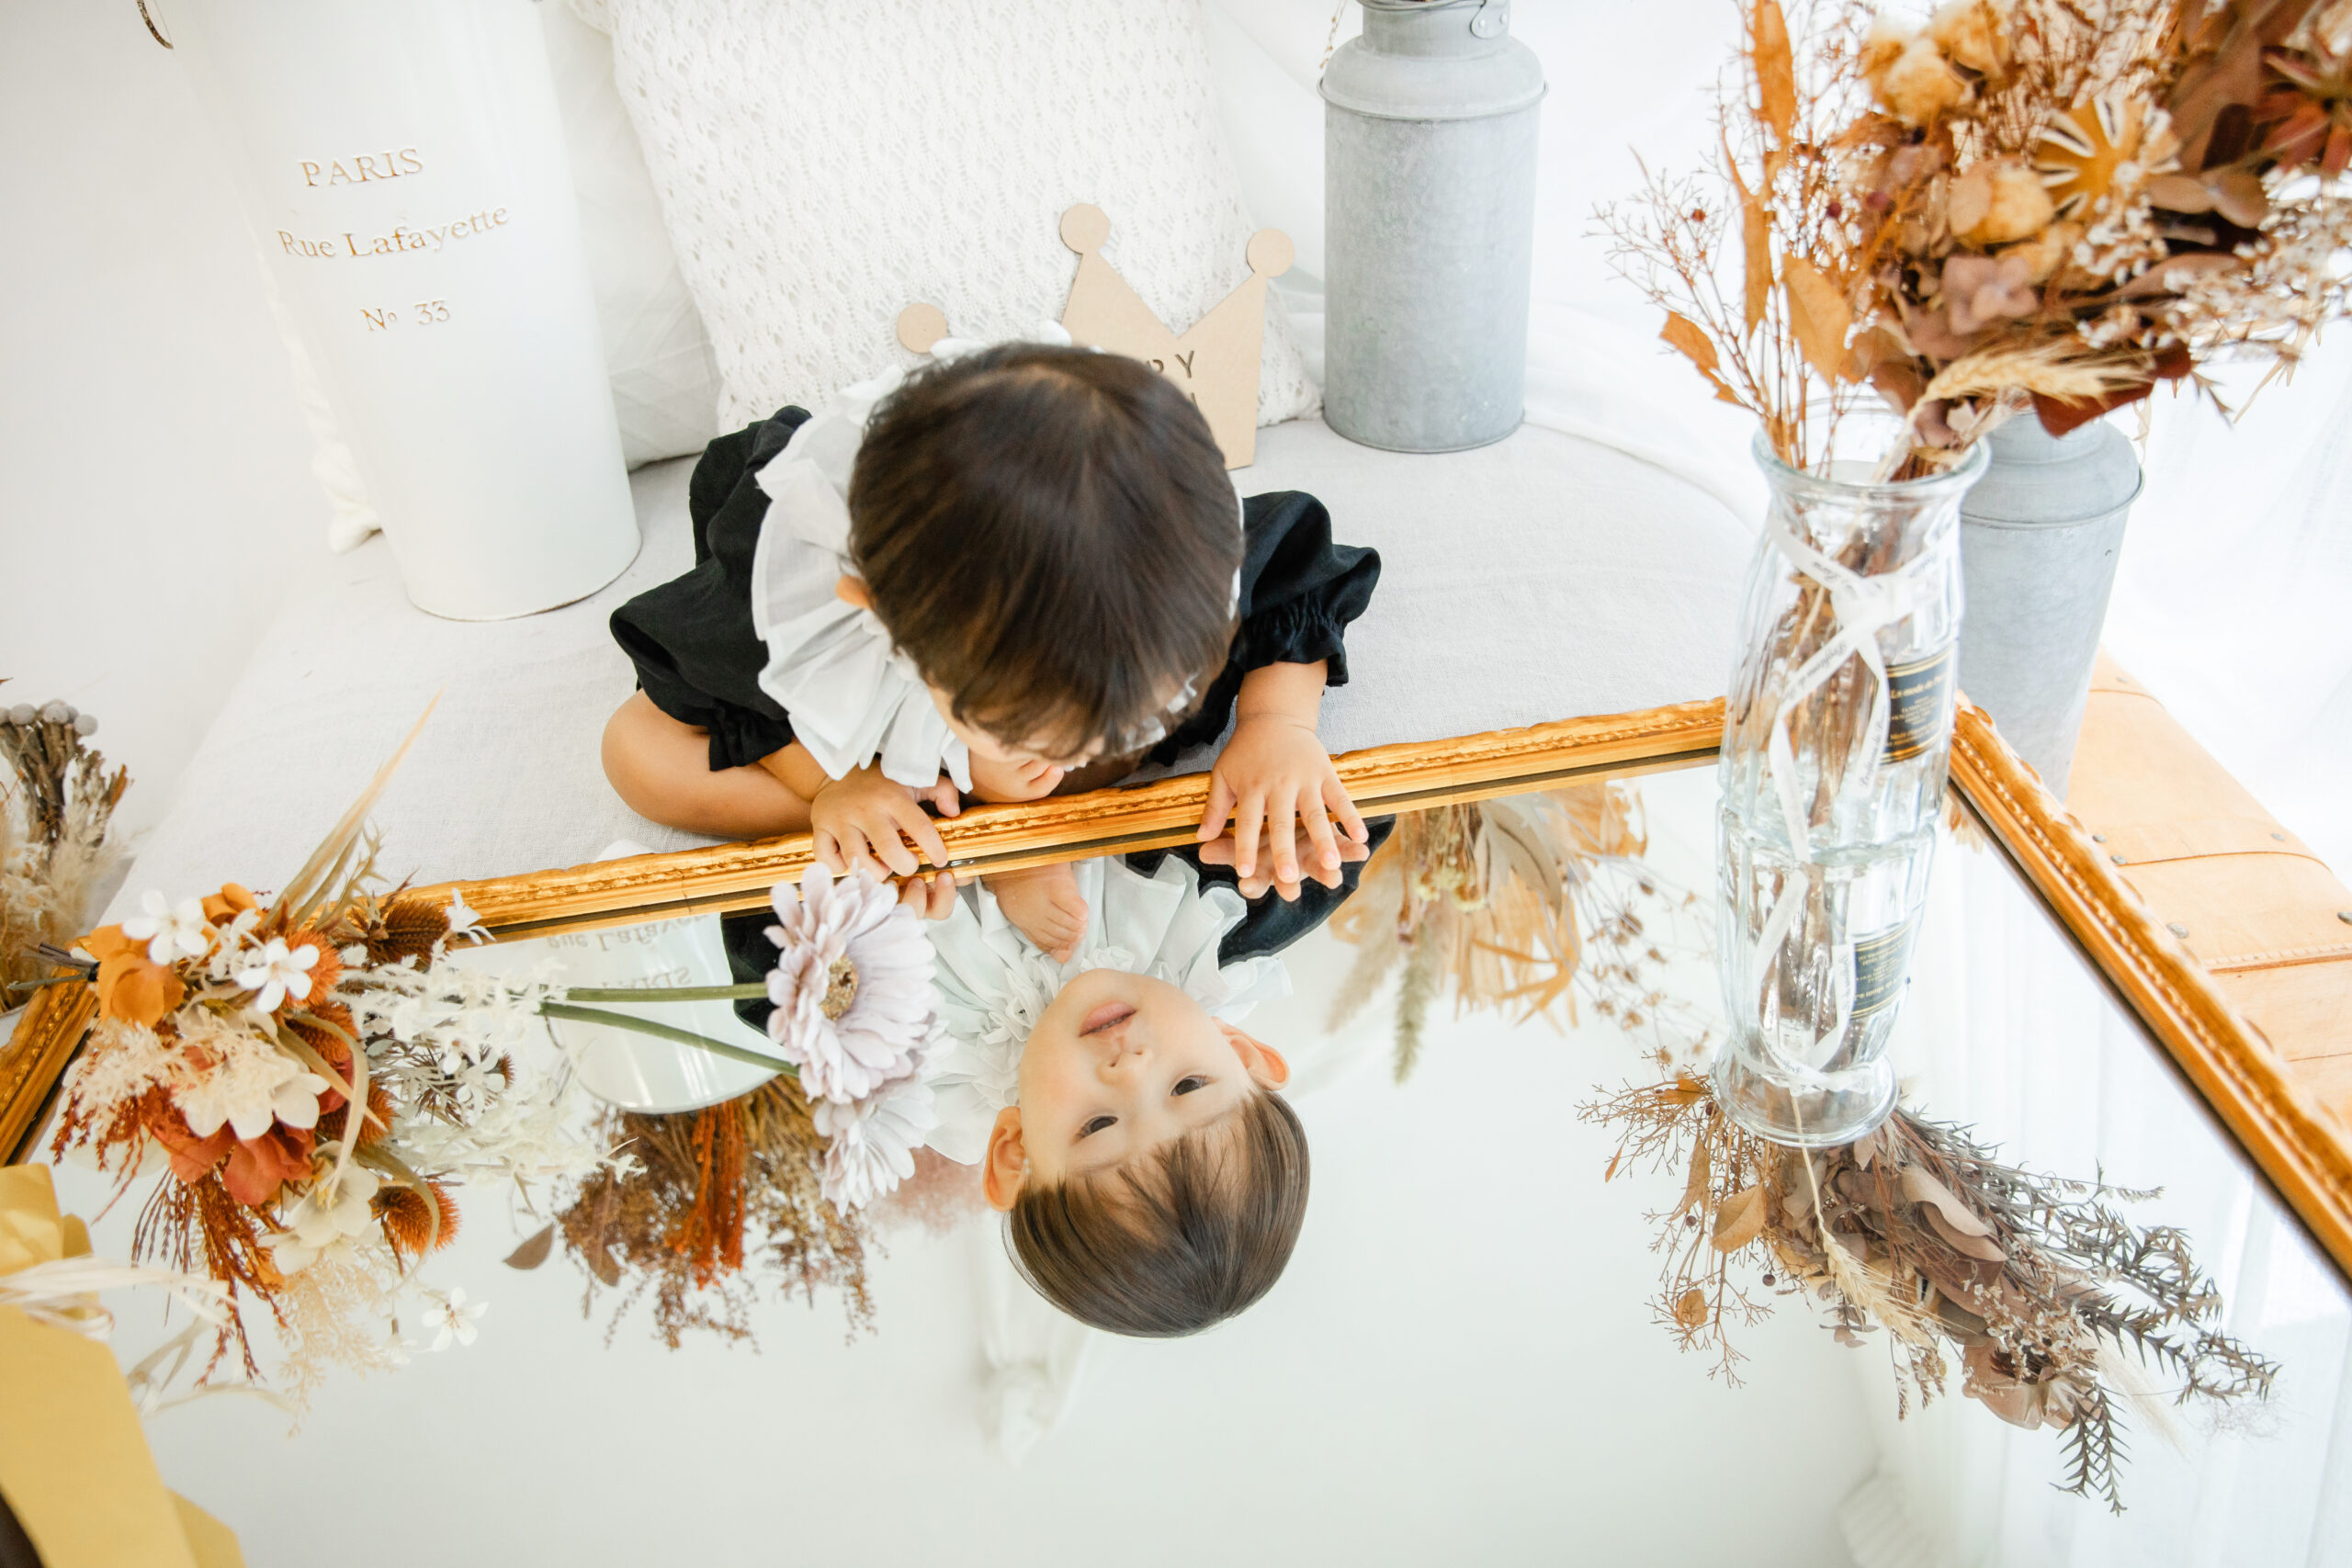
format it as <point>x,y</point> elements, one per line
<point>824,164</point>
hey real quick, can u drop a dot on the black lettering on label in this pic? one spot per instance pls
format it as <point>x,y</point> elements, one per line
<point>1881,961</point>
<point>1918,705</point>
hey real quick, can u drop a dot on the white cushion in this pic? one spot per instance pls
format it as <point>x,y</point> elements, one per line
<point>1545,577</point>
<point>822,165</point>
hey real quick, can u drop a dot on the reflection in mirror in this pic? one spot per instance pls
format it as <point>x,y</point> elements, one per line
<point>1540,1293</point>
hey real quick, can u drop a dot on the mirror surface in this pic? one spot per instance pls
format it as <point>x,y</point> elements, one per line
<point>1472,1356</point>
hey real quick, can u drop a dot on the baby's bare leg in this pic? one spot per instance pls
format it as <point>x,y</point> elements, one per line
<point>661,768</point>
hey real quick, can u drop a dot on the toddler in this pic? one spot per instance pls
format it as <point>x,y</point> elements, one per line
<point>1011,573</point>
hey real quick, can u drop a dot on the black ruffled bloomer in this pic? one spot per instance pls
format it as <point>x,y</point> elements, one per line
<point>699,660</point>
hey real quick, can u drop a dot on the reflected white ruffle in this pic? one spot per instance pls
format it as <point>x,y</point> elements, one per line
<point>994,984</point>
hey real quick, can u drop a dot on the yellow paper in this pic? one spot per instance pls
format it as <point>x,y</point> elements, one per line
<point>73,1462</point>
<point>31,1230</point>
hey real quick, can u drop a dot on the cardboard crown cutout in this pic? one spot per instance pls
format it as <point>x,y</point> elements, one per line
<point>1216,362</point>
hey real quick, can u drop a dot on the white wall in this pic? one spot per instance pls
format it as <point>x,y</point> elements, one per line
<point>155,489</point>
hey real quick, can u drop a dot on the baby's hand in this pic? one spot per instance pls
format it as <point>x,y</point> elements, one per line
<point>932,896</point>
<point>1274,778</point>
<point>1220,852</point>
<point>859,819</point>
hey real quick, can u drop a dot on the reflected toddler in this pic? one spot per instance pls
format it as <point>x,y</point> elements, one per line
<point>1152,1174</point>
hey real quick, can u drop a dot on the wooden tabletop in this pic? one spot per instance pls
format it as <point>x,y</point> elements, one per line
<point>2263,913</point>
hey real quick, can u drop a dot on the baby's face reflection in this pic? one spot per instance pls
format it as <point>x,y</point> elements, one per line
<point>1119,1064</point>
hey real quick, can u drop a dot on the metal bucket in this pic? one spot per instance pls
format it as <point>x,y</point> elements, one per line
<point>1429,137</point>
<point>2040,537</point>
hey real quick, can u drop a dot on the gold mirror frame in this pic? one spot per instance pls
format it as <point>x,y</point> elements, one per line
<point>2282,1128</point>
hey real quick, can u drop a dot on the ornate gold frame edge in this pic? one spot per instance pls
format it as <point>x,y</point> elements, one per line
<point>2296,1142</point>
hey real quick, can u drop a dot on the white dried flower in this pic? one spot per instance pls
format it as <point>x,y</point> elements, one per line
<point>170,931</point>
<point>278,972</point>
<point>851,985</point>
<point>326,1221</point>
<point>452,1316</point>
<point>237,1079</point>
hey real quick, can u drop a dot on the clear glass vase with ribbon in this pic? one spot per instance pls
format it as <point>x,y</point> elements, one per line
<point>1836,742</point>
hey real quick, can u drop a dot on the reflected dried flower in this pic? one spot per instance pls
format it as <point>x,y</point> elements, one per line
<point>2039,1283</point>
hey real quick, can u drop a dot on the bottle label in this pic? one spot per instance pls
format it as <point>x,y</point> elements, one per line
<point>1882,961</point>
<point>1918,705</point>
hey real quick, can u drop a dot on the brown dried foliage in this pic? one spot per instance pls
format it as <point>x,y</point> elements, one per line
<point>2031,1280</point>
<point>1517,904</point>
<point>721,1204</point>
<point>2044,206</point>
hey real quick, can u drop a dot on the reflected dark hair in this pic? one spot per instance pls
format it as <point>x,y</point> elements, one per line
<point>1050,535</point>
<point>1182,1244</point>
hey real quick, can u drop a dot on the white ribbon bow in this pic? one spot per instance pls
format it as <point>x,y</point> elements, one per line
<point>1864,607</point>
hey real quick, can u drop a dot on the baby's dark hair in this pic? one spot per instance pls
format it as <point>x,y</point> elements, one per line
<point>1050,535</point>
<point>1182,1242</point>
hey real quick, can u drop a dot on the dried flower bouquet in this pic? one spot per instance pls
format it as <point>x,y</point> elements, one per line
<point>2050,1299</point>
<point>2042,205</point>
<point>319,1076</point>
<point>1520,902</point>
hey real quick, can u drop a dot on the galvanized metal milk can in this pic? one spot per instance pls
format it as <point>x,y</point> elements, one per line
<point>2039,539</point>
<point>1428,194</point>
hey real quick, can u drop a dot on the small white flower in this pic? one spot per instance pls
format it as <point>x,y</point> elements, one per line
<point>465,920</point>
<point>170,930</point>
<point>278,974</point>
<point>452,1315</point>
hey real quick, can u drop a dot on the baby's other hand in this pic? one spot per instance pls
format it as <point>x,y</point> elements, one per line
<point>1220,852</point>
<point>932,896</point>
<point>859,819</point>
<point>1044,905</point>
<point>1274,778</point>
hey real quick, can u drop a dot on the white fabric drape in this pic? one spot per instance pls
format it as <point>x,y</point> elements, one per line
<point>2007,1031</point>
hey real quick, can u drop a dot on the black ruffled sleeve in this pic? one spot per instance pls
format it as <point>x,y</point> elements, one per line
<point>1271,924</point>
<point>1299,591</point>
<point>696,655</point>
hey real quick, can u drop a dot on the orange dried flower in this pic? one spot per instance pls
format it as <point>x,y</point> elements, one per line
<point>232,900</point>
<point>132,987</point>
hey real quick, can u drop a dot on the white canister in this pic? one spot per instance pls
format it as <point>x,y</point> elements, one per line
<point>402,164</point>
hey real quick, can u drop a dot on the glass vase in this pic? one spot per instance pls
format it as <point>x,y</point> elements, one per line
<point>1836,740</point>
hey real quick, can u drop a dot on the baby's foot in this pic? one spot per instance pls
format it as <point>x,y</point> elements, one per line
<point>1044,905</point>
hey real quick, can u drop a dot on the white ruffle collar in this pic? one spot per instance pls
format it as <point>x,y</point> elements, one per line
<point>852,696</point>
<point>994,983</point>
